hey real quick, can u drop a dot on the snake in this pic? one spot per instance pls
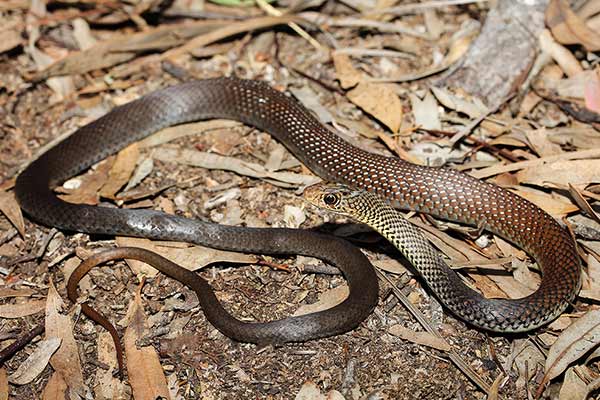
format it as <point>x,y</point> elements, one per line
<point>442,192</point>
<point>372,210</point>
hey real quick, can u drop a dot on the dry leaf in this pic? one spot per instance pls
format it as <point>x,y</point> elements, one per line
<point>555,205</point>
<point>563,57</point>
<point>591,287</point>
<point>108,387</point>
<point>139,268</point>
<point>473,108</point>
<point>146,375</point>
<point>582,336</point>
<point>527,360</point>
<point>55,389</point>
<point>22,309</point>
<point>121,171</point>
<point>191,257</point>
<point>426,111</point>
<point>573,387</point>
<point>293,216</point>
<point>10,208</point>
<point>310,391</point>
<point>579,173</point>
<point>215,161</point>
<point>11,38</point>
<point>66,359</point>
<point>568,28</point>
<point>310,100</point>
<point>583,204</point>
<point>3,384</point>
<point>8,292</point>
<point>390,265</point>
<point>84,189</point>
<point>422,338</point>
<point>541,144</point>
<point>327,299</point>
<point>29,369</point>
<point>381,101</point>
<point>345,71</point>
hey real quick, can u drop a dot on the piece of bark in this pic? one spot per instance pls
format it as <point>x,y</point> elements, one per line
<point>500,58</point>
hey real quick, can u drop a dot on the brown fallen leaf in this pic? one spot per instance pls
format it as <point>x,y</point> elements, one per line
<point>191,257</point>
<point>390,265</point>
<point>139,268</point>
<point>583,204</point>
<point>381,101</point>
<point>573,387</point>
<point>425,111</point>
<point>555,205</point>
<point>22,309</point>
<point>11,38</point>
<point>422,338</point>
<point>590,288</point>
<point>579,338</point>
<point>108,386</point>
<point>563,57</point>
<point>8,292</point>
<point>66,359</point>
<point>29,369</point>
<point>55,389</point>
<point>215,161</point>
<point>121,171</point>
<point>327,299</point>
<point>578,173</point>
<point>541,144</point>
<point>345,71</point>
<point>146,375</point>
<point>568,28</point>
<point>3,384</point>
<point>10,208</point>
<point>84,189</point>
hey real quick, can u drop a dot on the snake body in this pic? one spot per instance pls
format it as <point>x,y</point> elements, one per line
<point>441,192</point>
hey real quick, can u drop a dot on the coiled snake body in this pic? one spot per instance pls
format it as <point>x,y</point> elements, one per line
<point>441,192</point>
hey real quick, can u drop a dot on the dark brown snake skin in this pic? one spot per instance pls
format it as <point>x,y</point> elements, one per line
<point>443,193</point>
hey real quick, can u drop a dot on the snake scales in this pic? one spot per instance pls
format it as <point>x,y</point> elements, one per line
<point>443,193</point>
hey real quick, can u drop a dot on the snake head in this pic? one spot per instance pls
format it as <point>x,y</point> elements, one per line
<point>332,197</point>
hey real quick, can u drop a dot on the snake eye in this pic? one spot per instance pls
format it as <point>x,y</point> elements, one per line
<point>330,199</point>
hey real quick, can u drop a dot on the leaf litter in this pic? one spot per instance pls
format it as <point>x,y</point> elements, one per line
<point>546,153</point>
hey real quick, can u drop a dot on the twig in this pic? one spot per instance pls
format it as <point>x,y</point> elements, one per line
<point>411,8</point>
<point>269,9</point>
<point>20,343</point>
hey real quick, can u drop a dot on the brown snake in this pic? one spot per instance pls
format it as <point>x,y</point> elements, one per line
<point>441,192</point>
